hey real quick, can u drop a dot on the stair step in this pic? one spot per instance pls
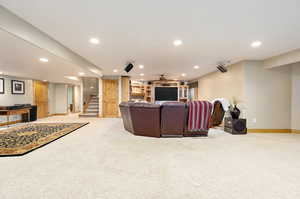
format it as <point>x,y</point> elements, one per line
<point>91,111</point>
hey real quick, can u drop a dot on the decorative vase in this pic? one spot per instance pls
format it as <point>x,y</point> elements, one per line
<point>235,112</point>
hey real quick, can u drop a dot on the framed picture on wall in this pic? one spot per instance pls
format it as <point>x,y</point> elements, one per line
<point>2,91</point>
<point>17,87</point>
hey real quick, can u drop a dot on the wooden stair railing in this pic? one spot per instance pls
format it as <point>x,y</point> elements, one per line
<point>87,103</point>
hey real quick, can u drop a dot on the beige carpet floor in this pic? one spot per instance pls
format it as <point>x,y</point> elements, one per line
<point>103,161</point>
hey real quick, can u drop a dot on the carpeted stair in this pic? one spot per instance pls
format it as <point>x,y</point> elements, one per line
<point>92,109</point>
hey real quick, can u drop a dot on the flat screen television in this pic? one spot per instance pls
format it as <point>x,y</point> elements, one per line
<point>166,93</point>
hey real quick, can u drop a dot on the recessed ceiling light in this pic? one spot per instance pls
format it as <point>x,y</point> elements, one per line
<point>183,74</point>
<point>71,78</point>
<point>1,73</point>
<point>44,80</point>
<point>256,44</point>
<point>115,70</point>
<point>142,74</point>
<point>196,67</point>
<point>81,73</point>
<point>94,41</point>
<point>92,87</point>
<point>94,71</point>
<point>141,66</point>
<point>177,43</point>
<point>44,60</point>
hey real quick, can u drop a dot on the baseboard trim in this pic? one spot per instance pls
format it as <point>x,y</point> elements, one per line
<point>295,131</point>
<point>58,114</point>
<point>269,130</point>
<point>10,123</point>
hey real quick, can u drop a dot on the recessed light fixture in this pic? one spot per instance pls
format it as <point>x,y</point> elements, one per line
<point>45,60</point>
<point>142,74</point>
<point>44,80</point>
<point>72,78</point>
<point>94,40</point>
<point>92,87</point>
<point>115,70</point>
<point>183,74</point>
<point>196,67</point>
<point>177,43</point>
<point>256,44</point>
<point>141,66</point>
<point>1,73</point>
<point>94,71</point>
<point>81,73</point>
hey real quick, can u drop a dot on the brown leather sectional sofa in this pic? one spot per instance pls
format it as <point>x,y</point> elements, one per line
<point>166,120</point>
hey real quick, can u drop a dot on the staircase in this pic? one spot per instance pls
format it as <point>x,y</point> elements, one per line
<point>92,109</point>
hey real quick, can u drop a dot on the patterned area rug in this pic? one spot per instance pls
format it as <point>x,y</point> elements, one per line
<point>23,139</point>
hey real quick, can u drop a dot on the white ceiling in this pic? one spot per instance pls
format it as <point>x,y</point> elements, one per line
<point>143,30</point>
<point>21,59</point>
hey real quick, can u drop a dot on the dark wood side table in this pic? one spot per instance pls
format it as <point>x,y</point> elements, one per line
<point>8,113</point>
<point>235,126</point>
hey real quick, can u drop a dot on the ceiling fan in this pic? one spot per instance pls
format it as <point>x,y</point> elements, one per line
<point>162,77</point>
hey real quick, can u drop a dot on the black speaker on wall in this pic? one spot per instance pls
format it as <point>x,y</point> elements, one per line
<point>222,68</point>
<point>128,67</point>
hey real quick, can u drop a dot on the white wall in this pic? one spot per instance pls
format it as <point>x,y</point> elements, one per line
<point>268,96</point>
<point>61,98</point>
<point>295,97</point>
<point>51,98</point>
<point>78,99</point>
<point>264,95</point>
<point>8,99</point>
<point>223,85</point>
<point>285,59</point>
<point>58,98</point>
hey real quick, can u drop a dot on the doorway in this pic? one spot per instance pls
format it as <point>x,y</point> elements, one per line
<point>41,98</point>
<point>110,98</point>
<point>71,107</point>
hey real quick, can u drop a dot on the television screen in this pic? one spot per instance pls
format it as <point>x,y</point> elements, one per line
<point>166,93</point>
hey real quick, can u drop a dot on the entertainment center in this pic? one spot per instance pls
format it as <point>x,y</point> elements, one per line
<point>159,91</point>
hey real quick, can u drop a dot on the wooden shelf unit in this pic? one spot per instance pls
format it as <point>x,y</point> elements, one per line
<point>137,91</point>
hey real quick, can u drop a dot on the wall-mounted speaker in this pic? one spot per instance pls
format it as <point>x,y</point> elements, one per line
<point>222,68</point>
<point>128,67</point>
